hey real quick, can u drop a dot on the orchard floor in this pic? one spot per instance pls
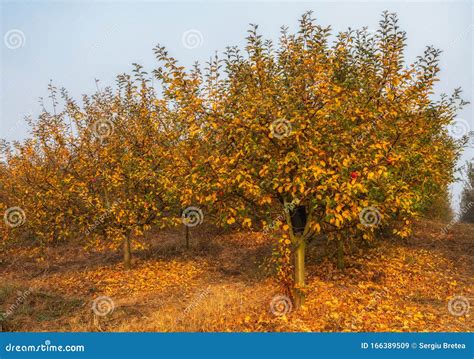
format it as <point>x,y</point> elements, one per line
<point>219,284</point>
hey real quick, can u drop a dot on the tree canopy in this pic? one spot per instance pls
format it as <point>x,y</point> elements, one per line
<point>312,136</point>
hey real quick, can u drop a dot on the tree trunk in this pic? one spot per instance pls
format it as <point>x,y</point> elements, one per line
<point>127,252</point>
<point>299,273</point>
<point>187,237</point>
<point>340,254</point>
<point>298,221</point>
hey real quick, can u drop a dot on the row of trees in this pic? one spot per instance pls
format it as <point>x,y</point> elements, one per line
<point>467,195</point>
<point>309,137</point>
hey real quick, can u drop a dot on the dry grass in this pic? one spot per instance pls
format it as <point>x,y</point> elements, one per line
<point>218,285</point>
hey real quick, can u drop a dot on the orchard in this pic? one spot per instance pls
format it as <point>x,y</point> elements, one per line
<point>315,136</point>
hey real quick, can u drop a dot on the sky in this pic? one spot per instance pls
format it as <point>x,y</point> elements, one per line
<point>75,42</point>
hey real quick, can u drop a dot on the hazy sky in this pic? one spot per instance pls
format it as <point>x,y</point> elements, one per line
<point>74,42</point>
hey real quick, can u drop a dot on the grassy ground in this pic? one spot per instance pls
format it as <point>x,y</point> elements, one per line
<point>219,285</point>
